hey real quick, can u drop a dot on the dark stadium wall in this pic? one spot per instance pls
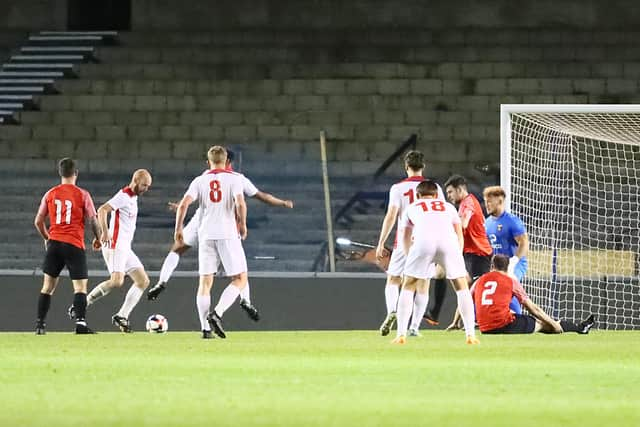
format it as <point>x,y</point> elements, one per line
<point>328,14</point>
<point>285,304</point>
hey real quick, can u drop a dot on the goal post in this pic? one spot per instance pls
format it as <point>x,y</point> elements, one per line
<point>572,173</point>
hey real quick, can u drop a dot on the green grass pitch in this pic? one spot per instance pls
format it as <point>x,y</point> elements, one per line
<point>353,378</point>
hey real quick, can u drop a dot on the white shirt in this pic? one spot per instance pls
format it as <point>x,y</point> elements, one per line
<point>122,224</point>
<point>432,221</point>
<point>215,192</point>
<point>401,195</point>
<point>248,189</point>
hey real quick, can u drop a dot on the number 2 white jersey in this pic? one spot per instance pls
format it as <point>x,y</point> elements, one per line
<point>215,192</point>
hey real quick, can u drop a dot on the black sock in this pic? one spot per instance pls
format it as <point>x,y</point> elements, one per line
<point>44,302</point>
<point>80,305</point>
<point>439,291</point>
<point>568,326</point>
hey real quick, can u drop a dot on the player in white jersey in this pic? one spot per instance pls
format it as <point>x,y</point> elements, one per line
<point>223,224</point>
<point>190,234</point>
<point>432,233</point>
<point>116,248</point>
<point>401,195</point>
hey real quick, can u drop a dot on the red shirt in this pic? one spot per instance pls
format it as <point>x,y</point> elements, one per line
<point>492,293</point>
<point>68,206</point>
<point>475,235</point>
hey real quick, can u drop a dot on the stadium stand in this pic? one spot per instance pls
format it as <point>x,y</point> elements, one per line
<point>159,99</point>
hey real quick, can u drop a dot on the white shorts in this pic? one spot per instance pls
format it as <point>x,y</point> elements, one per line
<point>121,260</point>
<point>397,264</point>
<point>421,258</point>
<point>190,232</point>
<point>228,252</point>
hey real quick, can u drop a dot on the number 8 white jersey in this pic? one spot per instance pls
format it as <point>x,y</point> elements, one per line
<point>215,191</point>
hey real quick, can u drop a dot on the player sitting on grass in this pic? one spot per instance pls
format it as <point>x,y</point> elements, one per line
<point>492,294</point>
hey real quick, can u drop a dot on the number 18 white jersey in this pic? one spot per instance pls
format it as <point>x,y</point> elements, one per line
<point>402,194</point>
<point>215,191</point>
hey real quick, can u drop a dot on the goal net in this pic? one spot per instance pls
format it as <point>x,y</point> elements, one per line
<point>572,173</point>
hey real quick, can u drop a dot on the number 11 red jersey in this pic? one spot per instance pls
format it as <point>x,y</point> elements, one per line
<point>68,207</point>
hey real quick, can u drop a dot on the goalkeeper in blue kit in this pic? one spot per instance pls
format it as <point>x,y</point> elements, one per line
<point>507,236</point>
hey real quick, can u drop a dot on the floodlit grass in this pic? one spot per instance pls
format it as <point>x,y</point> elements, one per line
<point>349,378</point>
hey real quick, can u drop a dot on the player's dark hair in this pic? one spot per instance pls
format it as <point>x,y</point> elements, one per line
<point>67,167</point>
<point>230,155</point>
<point>456,181</point>
<point>414,160</point>
<point>500,263</point>
<point>427,188</point>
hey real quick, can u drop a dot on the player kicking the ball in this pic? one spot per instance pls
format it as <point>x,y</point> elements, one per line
<point>222,225</point>
<point>116,249</point>
<point>190,239</point>
<point>432,233</point>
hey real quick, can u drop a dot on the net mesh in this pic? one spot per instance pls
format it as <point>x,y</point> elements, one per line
<point>575,183</point>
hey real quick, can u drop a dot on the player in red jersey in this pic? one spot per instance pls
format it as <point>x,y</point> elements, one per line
<point>492,294</point>
<point>68,207</point>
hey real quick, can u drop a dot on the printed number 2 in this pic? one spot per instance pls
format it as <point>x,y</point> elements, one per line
<point>216,193</point>
<point>489,289</point>
<point>67,213</point>
<point>436,205</point>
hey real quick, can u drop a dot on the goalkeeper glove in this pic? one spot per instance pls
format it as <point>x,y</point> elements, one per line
<point>513,261</point>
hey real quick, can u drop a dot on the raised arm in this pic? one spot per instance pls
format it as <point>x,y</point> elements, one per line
<point>272,200</point>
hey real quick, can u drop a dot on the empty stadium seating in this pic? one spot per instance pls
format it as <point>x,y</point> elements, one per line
<point>159,99</point>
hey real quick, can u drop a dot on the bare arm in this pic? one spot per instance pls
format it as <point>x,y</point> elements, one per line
<point>241,215</point>
<point>41,227</point>
<point>103,212</point>
<point>272,200</point>
<point>465,218</point>
<point>406,239</point>
<point>547,322</point>
<point>523,245</point>
<point>458,230</point>
<point>181,212</point>
<point>387,225</point>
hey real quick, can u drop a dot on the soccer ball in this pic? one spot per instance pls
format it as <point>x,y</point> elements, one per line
<point>157,324</point>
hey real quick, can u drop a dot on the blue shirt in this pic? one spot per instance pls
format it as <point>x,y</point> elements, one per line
<point>502,231</point>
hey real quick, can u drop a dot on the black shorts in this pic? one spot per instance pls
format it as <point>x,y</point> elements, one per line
<point>60,254</point>
<point>477,265</point>
<point>522,324</point>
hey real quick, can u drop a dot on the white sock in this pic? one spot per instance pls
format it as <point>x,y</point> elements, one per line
<point>203,302</point>
<point>98,292</point>
<point>420,302</point>
<point>168,265</point>
<point>130,301</point>
<point>245,294</point>
<point>405,304</point>
<point>391,293</point>
<point>465,305</point>
<point>227,298</point>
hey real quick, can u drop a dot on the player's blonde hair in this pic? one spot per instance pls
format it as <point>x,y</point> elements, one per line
<point>494,191</point>
<point>217,154</point>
